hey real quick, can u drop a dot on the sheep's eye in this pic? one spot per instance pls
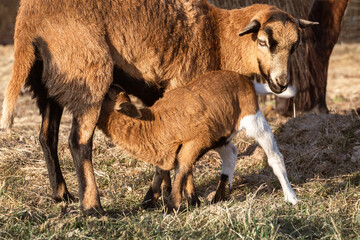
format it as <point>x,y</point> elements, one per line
<point>262,43</point>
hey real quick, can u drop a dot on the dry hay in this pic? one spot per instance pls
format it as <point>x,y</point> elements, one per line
<point>322,146</point>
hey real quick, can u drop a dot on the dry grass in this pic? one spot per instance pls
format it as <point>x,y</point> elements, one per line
<point>322,155</point>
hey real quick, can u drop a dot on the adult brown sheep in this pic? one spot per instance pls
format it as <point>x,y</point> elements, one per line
<point>68,52</point>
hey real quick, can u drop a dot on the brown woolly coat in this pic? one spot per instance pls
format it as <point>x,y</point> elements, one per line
<point>164,43</point>
<point>205,112</point>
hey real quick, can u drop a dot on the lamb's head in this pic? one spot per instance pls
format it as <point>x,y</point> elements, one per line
<point>276,35</point>
<point>118,101</point>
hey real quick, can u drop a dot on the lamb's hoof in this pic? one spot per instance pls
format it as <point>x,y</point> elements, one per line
<point>193,200</point>
<point>94,212</point>
<point>171,207</point>
<point>149,200</point>
<point>291,199</point>
<point>220,195</point>
<point>217,198</point>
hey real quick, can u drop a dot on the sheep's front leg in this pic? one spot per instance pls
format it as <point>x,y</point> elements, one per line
<point>160,181</point>
<point>80,141</point>
<point>185,160</point>
<point>49,135</point>
<point>228,154</point>
<point>257,127</point>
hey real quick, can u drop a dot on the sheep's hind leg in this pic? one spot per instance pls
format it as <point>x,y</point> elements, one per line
<point>257,127</point>
<point>49,135</point>
<point>160,181</point>
<point>80,141</point>
<point>186,159</point>
<point>228,154</point>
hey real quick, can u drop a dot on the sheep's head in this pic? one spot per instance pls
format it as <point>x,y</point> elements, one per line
<point>276,35</point>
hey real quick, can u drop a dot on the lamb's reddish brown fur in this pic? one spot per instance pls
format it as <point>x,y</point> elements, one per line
<point>69,51</point>
<point>173,136</point>
<point>204,119</point>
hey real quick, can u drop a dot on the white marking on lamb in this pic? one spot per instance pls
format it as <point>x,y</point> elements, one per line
<point>257,127</point>
<point>228,154</point>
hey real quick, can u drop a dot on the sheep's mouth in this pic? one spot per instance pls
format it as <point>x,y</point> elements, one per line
<point>276,88</point>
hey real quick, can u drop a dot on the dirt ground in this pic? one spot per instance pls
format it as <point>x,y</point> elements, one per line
<point>343,89</point>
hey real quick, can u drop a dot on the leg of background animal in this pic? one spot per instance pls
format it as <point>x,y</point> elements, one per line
<point>257,127</point>
<point>80,141</point>
<point>189,190</point>
<point>160,181</point>
<point>228,154</point>
<point>185,160</point>
<point>49,135</point>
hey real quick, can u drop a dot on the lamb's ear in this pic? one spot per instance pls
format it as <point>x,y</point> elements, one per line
<point>305,23</point>
<point>114,91</point>
<point>252,27</point>
<point>128,109</point>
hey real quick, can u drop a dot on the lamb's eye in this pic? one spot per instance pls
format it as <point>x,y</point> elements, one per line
<point>262,43</point>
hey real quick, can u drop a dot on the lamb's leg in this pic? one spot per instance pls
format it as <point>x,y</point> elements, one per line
<point>257,127</point>
<point>186,159</point>
<point>49,135</point>
<point>80,141</point>
<point>228,154</point>
<point>160,181</point>
<point>189,190</point>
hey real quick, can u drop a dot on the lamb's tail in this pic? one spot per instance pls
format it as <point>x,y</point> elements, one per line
<point>264,89</point>
<point>24,59</point>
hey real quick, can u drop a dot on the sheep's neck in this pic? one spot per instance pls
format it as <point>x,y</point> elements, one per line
<point>235,54</point>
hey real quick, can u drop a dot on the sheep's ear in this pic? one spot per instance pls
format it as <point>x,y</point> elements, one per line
<point>128,109</point>
<point>252,27</point>
<point>305,23</point>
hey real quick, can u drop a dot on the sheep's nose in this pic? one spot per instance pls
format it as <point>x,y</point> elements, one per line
<point>283,87</point>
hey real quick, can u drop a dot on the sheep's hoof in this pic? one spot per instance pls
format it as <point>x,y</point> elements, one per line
<point>148,203</point>
<point>149,200</point>
<point>95,212</point>
<point>66,197</point>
